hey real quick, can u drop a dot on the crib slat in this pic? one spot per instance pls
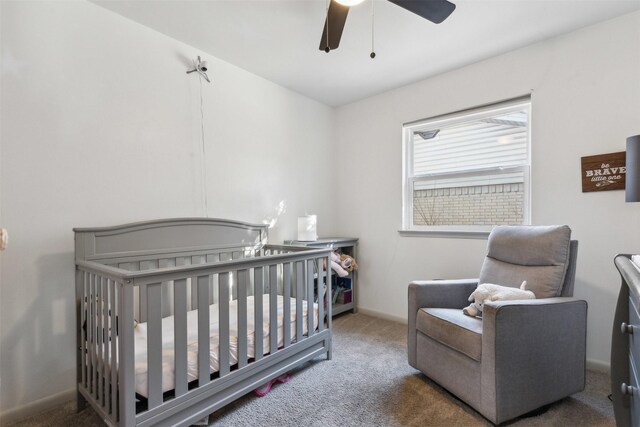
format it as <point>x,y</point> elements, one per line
<point>203,330</point>
<point>329,294</point>
<point>167,287</point>
<point>258,293</point>
<point>89,334</point>
<point>105,343</point>
<point>243,282</point>
<point>180,261</point>
<point>126,362</point>
<point>180,335</point>
<point>100,336</point>
<point>310,311</point>
<point>286,306</point>
<point>96,336</point>
<point>273,309</point>
<point>223,308</point>
<point>137,313</point>
<point>299,297</point>
<point>142,299</point>
<point>108,361</point>
<point>213,286</point>
<point>114,349</point>
<point>84,307</point>
<point>154,344</point>
<point>91,330</point>
<point>320,283</point>
<point>233,286</point>
<point>194,292</point>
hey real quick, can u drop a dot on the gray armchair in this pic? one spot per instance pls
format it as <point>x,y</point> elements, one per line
<point>521,354</point>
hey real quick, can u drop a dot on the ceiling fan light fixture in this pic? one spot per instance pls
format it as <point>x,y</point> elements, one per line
<point>349,2</point>
<point>435,11</point>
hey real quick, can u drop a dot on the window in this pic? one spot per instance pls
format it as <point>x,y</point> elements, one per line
<point>468,171</point>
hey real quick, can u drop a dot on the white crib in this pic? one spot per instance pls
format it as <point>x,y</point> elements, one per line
<point>176,318</point>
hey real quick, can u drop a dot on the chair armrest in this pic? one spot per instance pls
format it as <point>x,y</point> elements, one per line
<point>495,306</point>
<point>440,293</point>
<point>434,293</point>
<point>535,346</point>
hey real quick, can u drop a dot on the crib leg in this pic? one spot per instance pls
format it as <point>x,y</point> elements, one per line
<point>202,422</point>
<point>81,402</point>
<point>329,350</point>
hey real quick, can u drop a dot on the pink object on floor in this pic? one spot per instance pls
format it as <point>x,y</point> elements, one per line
<point>264,389</point>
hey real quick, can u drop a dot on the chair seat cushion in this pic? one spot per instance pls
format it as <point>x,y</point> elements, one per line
<point>451,327</point>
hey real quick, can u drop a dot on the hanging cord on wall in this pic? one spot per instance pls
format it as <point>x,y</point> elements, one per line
<point>373,52</point>
<point>204,164</point>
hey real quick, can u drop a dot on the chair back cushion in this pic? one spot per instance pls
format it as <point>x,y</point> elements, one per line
<point>537,254</point>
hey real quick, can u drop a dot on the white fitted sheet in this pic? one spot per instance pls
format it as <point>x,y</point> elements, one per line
<point>168,365</point>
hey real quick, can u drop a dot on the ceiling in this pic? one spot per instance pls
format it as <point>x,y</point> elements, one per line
<point>279,39</point>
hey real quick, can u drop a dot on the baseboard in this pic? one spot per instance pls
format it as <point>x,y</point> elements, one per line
<point>38,406</point>
<point>381,315</point>
<point>598,366</point>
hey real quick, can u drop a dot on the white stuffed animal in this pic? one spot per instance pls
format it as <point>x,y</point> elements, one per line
<point>490,292</point>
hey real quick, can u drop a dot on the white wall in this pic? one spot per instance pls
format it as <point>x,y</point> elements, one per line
<point>586,100</point>
<point>101,125</point>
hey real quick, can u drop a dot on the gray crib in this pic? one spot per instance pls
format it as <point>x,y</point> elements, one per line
<point>177,318</point>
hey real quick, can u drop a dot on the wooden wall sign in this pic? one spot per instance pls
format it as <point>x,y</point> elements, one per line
<point>604,172</point>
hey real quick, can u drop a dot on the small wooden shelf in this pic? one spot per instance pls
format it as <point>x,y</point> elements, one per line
<point>341,308</point>
<point>347,245</point>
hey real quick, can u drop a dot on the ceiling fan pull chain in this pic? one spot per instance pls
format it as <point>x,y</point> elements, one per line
<point>327,49</point>
<point>373,52</point>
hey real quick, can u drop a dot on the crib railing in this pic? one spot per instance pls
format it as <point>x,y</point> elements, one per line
<point>152,262</point>
<point>112,296</point>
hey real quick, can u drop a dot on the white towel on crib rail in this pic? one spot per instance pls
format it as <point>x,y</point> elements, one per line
<point>168,365</point>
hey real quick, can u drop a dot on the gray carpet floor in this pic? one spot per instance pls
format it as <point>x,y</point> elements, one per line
<point>368,383</point>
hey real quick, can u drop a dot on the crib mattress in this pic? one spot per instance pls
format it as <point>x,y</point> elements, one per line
<point>168,365</point>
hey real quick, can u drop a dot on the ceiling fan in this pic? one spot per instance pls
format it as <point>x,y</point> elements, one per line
<point>435,11</point>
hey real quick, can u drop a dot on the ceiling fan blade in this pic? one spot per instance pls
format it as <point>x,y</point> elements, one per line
<point>435,11</point>
<point>336,18</point>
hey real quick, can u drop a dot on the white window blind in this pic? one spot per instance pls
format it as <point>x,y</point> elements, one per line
<point>499,140</point>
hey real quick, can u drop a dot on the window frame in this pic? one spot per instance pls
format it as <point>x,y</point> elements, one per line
<point>409,179</point>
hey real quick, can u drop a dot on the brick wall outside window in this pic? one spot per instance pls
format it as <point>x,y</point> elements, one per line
<point>474,205</point>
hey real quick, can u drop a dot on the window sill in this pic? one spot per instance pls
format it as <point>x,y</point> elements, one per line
<point>451,234</point>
